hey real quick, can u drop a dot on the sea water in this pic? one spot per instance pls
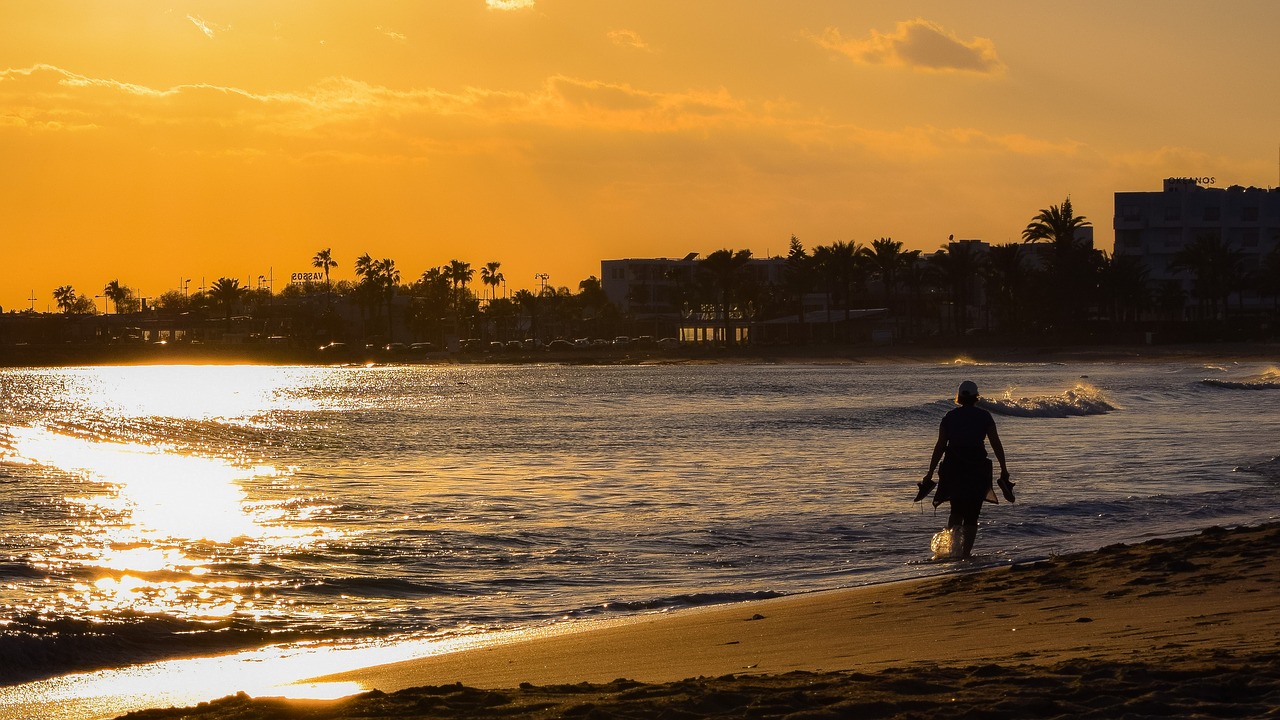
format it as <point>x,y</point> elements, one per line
<point>155,512</point>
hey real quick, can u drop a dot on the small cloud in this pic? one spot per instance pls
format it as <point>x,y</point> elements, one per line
<point>917,44</point>
<point>508,4</point>
<point>205,27</point>
<point>398,37</point>
<point>627,38</point>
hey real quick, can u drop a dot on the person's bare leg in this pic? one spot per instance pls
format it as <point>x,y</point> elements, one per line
<point>969,533</point>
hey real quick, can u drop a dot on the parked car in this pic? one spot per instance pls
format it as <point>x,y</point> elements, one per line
<point>559,345</point>
<point>621,341</point>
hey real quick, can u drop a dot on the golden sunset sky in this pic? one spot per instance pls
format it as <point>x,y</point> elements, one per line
<point>155,141</point>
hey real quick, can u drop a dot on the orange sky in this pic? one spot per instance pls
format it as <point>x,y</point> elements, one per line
<point>151,141</point>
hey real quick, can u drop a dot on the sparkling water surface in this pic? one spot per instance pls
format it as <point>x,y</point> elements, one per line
<point>149,512</point>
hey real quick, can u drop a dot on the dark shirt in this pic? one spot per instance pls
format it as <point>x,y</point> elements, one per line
<point>965,429</point>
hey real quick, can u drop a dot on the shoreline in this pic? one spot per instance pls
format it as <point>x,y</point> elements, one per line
<point>979,353</point>
<point>1081,605</point>
<point>1166,610</point>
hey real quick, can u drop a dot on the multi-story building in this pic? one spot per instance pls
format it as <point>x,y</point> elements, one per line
<point>660,294</point>
<point>1156,226</point>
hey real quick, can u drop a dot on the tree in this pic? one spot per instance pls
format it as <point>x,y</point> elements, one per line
<point>1216,267</point>
<point>885,256</point>
<point>324,260</point>
<point>65,296</point>
<point>954,269</point>
<point>1123,282</point>
<point>174,301</point>
<point>429,304</point>
<point>1006,276</point>
<point>118,294</point>
<point>797,279</point>
<point>490,276</point>
<point>379,280</point>
<point>842,266</point>
<point>459,275</point>
<point>1070,262</point>
<point>226,292</point>
<point>529,302</point>
<point>724,271</point>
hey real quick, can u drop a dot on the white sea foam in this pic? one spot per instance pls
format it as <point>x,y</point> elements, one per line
<point>1267,380</point>
<point>947,544</point>
<point>1083,399</point>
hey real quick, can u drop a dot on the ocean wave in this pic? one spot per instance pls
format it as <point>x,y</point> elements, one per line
<point>33,647</point>
<point>1269,380</point>
<point>1078,401</point>
<point>673,602</point>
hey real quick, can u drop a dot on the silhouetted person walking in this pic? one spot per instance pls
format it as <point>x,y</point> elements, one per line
<point>964,479</point>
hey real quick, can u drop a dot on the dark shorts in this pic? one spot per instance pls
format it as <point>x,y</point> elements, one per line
<point>964,511</point>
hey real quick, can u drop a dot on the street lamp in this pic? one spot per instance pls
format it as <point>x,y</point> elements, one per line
<point>544,278</point>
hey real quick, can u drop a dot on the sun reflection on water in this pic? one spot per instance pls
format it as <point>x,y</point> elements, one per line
<point>155,525</point>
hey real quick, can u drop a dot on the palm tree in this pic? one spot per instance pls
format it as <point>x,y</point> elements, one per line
<point>65,296</point>
<point>529,302</point>
<point>885,256</point>
<point>723,269</point>
<point>1216,267</point>
<point>1006,276</point>
<point>1123,280</point>
<point>226,292</point>
<point>368,294</point>
<point>388,278</point>
<point>116,293</point>
<point>459,274</point>
<point>1070,262</point>
<point>490,276</point>
<point>1057,224</point>
<point>955,268</point>
<point>843,268</point>
<point>324,260</point>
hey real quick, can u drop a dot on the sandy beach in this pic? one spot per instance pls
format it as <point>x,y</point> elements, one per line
<point>1186,627</point>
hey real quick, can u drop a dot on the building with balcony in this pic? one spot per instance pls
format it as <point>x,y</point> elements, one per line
<point>1156,226</point>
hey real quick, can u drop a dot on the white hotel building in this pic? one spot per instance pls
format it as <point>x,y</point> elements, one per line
<point>1155,226</point>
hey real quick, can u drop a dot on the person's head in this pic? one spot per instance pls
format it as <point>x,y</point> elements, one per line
<point>967,394</point>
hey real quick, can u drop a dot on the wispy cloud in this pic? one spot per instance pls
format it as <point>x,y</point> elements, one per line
<point>919,45</point>
<point>508,4</point>
<point>627,38</point>
<point>398,37</point>
<point>205,27</point>
<point>347,118</point>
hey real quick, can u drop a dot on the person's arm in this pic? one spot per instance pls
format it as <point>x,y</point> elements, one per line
<point>998,448</point>
<point>938,448</point>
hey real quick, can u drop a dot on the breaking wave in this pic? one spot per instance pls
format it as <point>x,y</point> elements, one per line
<point>1080,400</point>
<point>1269,380</point>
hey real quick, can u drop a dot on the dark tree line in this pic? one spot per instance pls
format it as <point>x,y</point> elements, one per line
<point>1052,282</point>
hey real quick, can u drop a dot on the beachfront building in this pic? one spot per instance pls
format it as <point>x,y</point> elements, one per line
<point>1156,227</point>
<point>665,297</point>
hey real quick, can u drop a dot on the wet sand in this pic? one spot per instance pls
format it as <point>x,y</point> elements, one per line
<point>1176,627</point>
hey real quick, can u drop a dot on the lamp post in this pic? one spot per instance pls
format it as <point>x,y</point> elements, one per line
<point>543,277</point>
